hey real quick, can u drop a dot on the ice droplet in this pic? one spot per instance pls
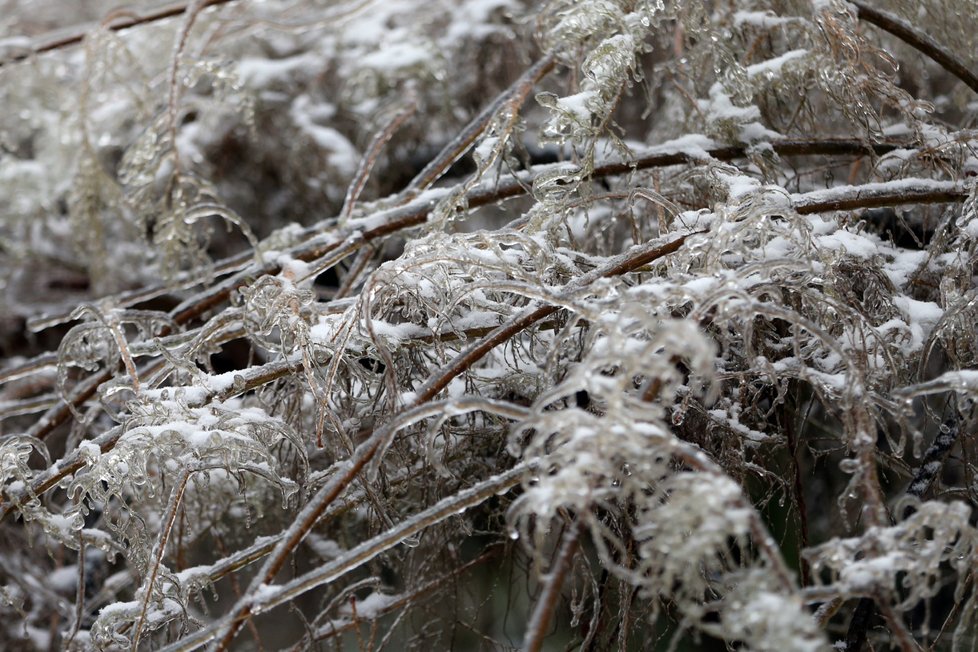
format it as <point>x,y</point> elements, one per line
<point>412,542</point>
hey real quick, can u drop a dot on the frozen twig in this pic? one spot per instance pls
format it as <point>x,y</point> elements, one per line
<point>543,612</point>
<point>123,23</point>
<point>915,38</point>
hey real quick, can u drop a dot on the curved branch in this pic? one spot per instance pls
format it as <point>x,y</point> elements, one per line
<point>416,212</point>
<point>384,222</point>
<point>917,40</point>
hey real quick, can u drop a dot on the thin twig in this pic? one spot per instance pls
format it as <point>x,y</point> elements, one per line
<point>370,157</point>
<point>929,469</point>
<point>415,212</point>
<point>794,448</point>
<point>412,598</point>
<point>512,98</point>
<point>176,500</point>
<point>126,23</point>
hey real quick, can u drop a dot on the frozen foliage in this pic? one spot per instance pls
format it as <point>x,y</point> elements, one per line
<point>584,324</point>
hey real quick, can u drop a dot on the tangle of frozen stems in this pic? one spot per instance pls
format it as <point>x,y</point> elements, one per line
<point>361,554</point>
<point>596,299</point>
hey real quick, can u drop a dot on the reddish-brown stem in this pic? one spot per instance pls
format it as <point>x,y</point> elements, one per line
<point>514,96</point>
<point>117,26</point>
<point>794,446</point>
<point>176,499</point>
<point>939,193</point>
<point>416,212</point>
<point>539,624</point>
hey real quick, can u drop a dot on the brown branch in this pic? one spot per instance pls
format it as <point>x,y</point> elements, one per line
<point>512,98</point>
<point>917,40</point>
<point>126,23</point>
<point>930,466</point>
<point>56,473</point>
<point>175,501</point>
<point>416,213</point>
<point>251,379</point>
<point>877,195</point>
<point>794,449</point>
<point>539,624</point>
